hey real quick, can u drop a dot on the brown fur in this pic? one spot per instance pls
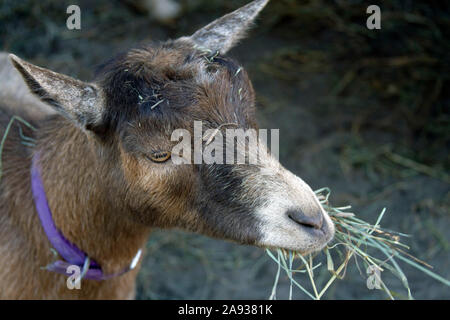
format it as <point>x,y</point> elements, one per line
<point>77,211</point>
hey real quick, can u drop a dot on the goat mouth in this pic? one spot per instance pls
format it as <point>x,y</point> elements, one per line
<point>314,232</point>
<point>325,230</point>
<point>299,238</point>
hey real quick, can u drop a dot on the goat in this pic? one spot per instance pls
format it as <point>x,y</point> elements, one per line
<point>102,155</point>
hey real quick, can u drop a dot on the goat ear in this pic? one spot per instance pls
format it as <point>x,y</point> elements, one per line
<point>76,100</point>
<point>222,34</point>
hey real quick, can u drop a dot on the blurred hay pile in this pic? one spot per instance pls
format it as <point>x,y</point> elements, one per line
<point>391,80</point>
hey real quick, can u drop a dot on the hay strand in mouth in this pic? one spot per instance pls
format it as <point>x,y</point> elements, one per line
<point>377,248</point>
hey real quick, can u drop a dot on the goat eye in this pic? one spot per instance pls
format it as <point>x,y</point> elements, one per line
<point>159,156</point>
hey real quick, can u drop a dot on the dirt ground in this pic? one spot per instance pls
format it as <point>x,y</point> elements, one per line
<point>363,112</point>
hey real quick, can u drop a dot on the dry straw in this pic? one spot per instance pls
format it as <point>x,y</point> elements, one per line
<point>377,248</point>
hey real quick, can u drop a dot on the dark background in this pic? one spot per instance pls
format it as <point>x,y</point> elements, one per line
<point>364,112</point>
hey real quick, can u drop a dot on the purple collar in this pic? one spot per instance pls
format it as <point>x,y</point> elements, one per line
<point>71,254</point>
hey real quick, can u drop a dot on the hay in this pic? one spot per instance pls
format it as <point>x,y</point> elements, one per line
<point>379,250</point>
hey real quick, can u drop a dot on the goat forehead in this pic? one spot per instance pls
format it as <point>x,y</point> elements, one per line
<point>167,63</point>
<point>173,84</point>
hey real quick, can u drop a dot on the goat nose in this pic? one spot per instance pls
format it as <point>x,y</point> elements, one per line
<point>306,221</point>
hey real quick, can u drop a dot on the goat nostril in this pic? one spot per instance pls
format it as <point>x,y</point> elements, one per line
<point>306,221</point>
